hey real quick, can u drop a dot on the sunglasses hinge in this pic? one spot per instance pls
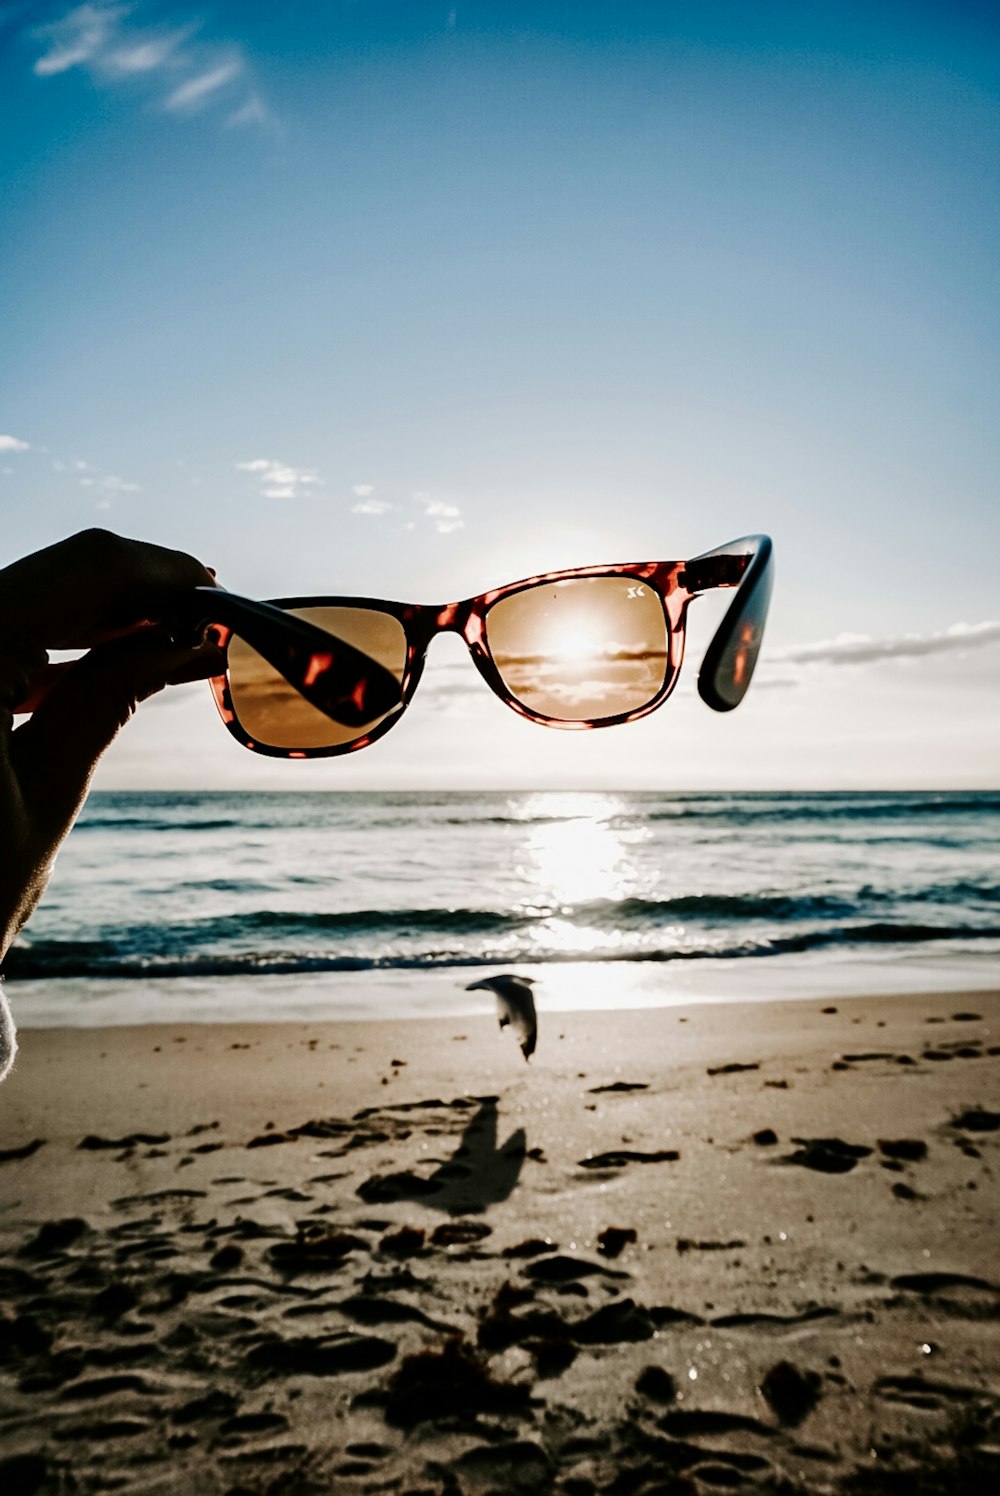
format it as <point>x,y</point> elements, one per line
<point>713,571</point>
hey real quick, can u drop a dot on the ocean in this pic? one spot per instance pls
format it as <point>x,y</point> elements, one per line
<point>239,907</point>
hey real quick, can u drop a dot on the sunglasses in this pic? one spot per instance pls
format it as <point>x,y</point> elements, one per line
<point>313,677</point>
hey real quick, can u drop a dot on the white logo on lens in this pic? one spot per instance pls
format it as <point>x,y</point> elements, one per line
<point>637,592</point>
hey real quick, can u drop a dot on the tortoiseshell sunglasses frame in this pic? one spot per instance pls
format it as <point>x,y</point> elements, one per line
<point>725,674</point>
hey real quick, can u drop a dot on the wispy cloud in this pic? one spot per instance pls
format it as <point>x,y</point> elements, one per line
<point>178,63</point>
<point>146,54</point>
<point>13,444</point>
<point>77,38</point>
<point>253,112</point>
<point>110,483</point>
<point>864,649</point>
<point>278,480</point>
<point>367,503</point>
<point>445,518</point>
<point>196,92</point>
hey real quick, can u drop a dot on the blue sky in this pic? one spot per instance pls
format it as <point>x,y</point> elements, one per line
<point>416,298</point>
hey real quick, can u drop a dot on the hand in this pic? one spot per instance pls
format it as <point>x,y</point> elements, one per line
<point>104,594</point>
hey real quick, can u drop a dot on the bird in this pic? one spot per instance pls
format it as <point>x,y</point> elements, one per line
<point>515,1006</point>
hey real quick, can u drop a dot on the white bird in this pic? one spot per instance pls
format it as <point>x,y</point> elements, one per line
<point>515,1006</point>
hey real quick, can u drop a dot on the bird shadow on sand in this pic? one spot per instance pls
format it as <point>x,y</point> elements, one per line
<point>479,1173</point>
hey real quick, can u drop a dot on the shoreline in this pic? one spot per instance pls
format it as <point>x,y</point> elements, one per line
<point>398,994</point>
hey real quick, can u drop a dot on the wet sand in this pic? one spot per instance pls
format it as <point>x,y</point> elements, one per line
<point>742,1247</point>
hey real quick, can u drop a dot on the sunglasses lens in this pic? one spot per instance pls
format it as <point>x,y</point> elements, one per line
<point>581,650</point>
<point>275,715</point>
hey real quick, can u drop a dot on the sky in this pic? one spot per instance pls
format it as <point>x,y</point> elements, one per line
<point>410,299</point>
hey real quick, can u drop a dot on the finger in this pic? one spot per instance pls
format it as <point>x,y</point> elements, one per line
<point>21,668</point>
<point>71,593</point>
<point>54,754</point>
<point>39,684</point>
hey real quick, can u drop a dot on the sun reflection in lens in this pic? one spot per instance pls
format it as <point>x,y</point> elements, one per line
<point>569,640</point>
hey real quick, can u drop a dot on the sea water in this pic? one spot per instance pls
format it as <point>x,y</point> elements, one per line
<point>275,905</point>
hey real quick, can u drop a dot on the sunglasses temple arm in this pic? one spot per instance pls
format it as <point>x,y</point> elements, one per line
<point>333,676</point>
<point>728,666</point>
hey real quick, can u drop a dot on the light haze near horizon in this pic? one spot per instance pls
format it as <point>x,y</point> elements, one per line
<point>410,300</point>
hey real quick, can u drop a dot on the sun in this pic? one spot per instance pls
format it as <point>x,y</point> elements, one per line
<point>573,640</point>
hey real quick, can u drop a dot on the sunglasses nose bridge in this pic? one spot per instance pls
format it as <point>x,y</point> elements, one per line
<point>454,618</point>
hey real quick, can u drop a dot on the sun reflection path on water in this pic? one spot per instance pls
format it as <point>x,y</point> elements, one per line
<point>579,849</point>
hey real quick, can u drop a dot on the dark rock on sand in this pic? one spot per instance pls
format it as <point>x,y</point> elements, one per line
<point>765,1137</point>
<point>790,1392</point>
<point>614,1324</point>
<point>226,1258</point>
<point>612,1241</point>
<point>459,1233</point>
<point>55,1236</point>
<point>384,1189</point>
<point>977,1119</point>
<point>910,1150</point>
<point>618,1085</point>
<point>938,1282</point>
<point>406,1242</point>
<point>535,1246</point>
<point>561,1269</point>
<point>688,1244</point>
<point>827,1155</point>
<point>656,1383</point>
<point>443,1384</point>
<point>10,1155</point>
<point>617,1158</point>
<point>133,1140</point>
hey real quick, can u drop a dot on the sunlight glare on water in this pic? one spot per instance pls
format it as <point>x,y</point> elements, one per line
<point>580,855</point>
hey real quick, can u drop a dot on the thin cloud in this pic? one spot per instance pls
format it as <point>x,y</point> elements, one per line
<point>77,38</point>
<point>253,112</point>
<point>106,487</point>
<point>196,92</point>
<point>188,73</point>
<point>863,649</point>
<point>278,480</point>
<point>367,503</point>
<point>145,56</point>
<point>446,518</point>
<point>13,444</point>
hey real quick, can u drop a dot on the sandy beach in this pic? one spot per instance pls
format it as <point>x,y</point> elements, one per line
<point>723,1247</point>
